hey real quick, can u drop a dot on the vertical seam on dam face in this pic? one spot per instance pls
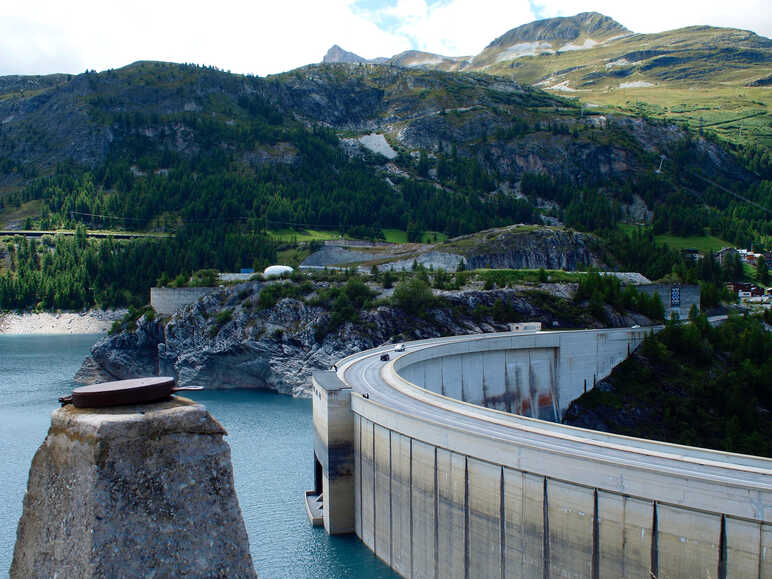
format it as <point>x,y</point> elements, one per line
<point>531,405</point>
<point>654,539</point>
<point>523,502</point>
<point>595,537</point>
<point>467,546</point>
<point>375,493</point>
<point>410,501</point>
<point>546,527</point>
<point>625,499</point>
<point>436,519</point>
<point>391,504</point>
<point>554,381</point>
<point>722,550</point>
<point>762,551</point>
<point>361,512</point>
<point>502,525</point>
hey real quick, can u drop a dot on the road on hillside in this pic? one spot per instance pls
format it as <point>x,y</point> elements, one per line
<point>95,234</point>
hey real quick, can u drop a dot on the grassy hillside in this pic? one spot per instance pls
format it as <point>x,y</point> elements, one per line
<point>740,114</point>
<point>709,78</point>
<point>701,76</point>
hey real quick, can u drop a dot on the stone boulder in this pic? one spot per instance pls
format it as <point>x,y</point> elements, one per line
<point>132,491</point>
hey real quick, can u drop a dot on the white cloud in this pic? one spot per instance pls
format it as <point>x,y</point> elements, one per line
<point>458,27</point>
<point>43,36</point>
<point>268,36</point>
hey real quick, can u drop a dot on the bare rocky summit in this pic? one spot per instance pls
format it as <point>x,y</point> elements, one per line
<point>337,54</point>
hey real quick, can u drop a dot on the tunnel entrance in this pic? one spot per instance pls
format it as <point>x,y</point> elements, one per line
<point>317,475</point>
<point>315,498</point>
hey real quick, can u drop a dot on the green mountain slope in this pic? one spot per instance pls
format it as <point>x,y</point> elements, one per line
<point>706,77</point>
<point>219,159</point>
<point>167,143</point>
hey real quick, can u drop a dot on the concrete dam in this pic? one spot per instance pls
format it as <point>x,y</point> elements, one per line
<point>448,460</point>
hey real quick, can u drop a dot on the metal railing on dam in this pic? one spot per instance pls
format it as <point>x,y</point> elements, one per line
<point>438,485</point>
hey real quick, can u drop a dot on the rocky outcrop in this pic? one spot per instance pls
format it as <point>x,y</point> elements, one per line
<point>512,247</point>
<point>132,491</point>
<point>528,248</point>
<point>125,355</point>
<point>337,54</point>
<point>277,348</point>
<point>568,28</point>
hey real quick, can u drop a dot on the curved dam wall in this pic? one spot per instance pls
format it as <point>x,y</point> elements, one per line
<point>443,487</point>
<point>536,375</point>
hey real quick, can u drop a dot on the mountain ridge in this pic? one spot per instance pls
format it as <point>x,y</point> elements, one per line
<point>535,52</point>
<point>563,28</point>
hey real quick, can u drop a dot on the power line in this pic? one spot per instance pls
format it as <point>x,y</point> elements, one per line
<point>732,193</point>
<point>711,182</point>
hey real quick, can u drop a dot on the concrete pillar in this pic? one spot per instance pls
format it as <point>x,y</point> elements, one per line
<point>132,491</point>
<point>334,449</point>
<point>401,505</point>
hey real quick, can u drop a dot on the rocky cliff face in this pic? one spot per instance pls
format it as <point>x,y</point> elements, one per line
<point>512,247</point>
<point>528,248</point>
<point>277,348</point>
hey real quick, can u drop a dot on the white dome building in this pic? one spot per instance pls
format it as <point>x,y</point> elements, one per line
<point>276,271</point>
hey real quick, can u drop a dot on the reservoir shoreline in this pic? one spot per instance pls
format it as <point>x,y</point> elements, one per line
<point>94,321</point>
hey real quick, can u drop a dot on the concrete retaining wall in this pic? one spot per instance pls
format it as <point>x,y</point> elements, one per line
<point>167,300</point>
<point>677,299</point>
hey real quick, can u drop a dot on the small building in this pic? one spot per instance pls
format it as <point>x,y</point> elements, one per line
<point>745,289</point>
<point>749,257</point>
<point>678,299</point>
<point>525,327</point>
<point>724,255</point>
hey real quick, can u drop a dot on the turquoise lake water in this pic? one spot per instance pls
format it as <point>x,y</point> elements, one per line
<point>271,443</point>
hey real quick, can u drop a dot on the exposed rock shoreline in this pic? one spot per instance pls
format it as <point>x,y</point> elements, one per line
<point>277,348</point>
<point>89,322</point>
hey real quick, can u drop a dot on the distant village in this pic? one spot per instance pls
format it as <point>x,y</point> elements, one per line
<point>747,292</point>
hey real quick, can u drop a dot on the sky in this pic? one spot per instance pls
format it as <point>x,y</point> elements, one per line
<point>270,36</point>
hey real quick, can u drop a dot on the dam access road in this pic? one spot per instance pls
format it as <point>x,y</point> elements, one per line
<point>436,459</point>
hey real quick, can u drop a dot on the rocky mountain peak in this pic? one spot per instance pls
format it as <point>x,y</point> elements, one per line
<point>565,28</point>
<point>337,54</point>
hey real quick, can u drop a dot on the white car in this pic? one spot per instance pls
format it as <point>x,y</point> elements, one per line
<point>399,348</point>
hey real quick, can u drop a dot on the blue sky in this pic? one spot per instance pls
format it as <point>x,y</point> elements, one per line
<point>269,36</point>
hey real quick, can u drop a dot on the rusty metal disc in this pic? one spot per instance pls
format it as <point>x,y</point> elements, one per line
<point>122,392</point>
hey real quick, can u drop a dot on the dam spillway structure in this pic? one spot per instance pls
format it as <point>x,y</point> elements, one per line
<point>447,459</point>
